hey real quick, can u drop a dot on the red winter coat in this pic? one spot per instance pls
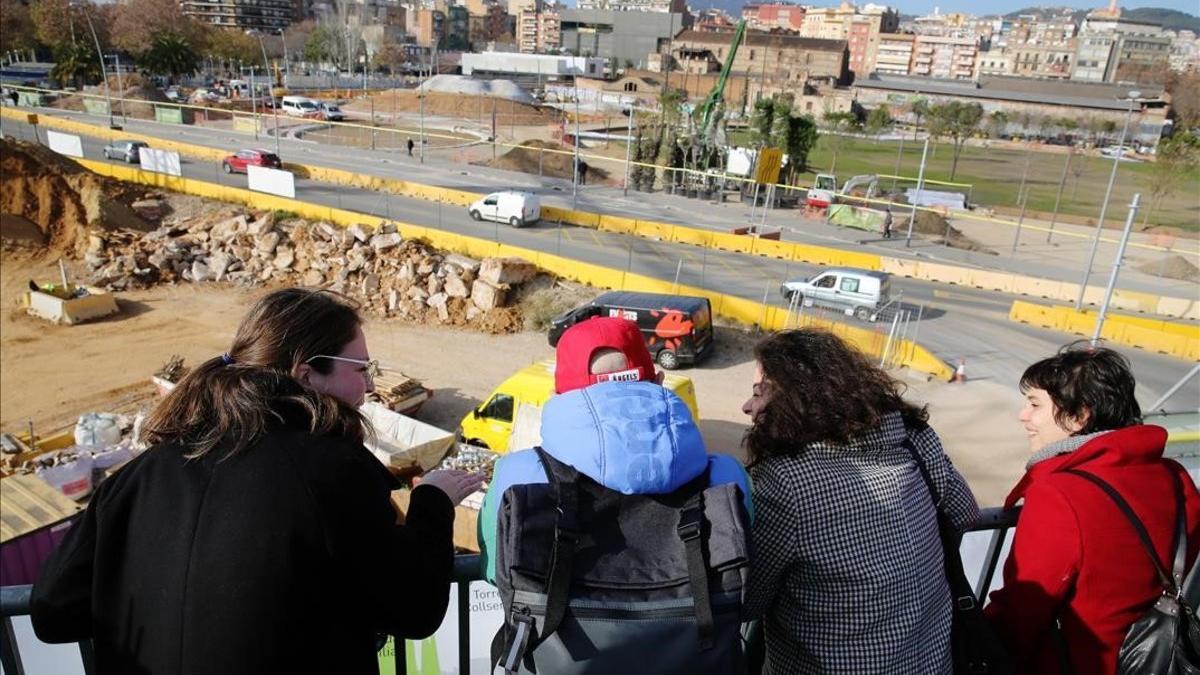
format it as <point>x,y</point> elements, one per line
<point>1075,553</point>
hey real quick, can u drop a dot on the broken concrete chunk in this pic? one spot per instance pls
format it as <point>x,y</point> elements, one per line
<point>358,232</point>
<point>267,243</point>
<point>455,288</point>
<point>497,271</point>
<point>382,242</point>
<point>284,257</point>
<point>486,296</point>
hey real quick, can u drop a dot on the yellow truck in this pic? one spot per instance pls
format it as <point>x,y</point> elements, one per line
<point>510,418</point>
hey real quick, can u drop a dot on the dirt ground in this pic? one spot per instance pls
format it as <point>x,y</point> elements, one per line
<point>476,108</point>
<point>52,374</point>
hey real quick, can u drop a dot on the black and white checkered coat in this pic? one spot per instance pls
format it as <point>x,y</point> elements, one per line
<point>847,573</point>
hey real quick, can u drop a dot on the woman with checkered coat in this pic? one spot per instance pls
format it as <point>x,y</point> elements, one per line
<point>847,574</point>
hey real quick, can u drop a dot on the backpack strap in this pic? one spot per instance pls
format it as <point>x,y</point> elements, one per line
<point>956,578</point>
<point>1180,536</point>
<point>519,633</point>
<point>691,529</point>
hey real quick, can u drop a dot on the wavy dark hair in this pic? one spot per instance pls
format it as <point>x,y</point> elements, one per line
<point>232,404</point>
<point>821,390</point>
<point>1093,385</point>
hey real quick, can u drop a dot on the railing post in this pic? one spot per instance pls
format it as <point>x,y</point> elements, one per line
<point>10,657</point>
<point>464,627</point>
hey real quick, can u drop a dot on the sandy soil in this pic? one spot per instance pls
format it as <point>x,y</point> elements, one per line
<point>51,374</point>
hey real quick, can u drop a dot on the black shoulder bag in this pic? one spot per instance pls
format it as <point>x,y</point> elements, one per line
<point>1166,639</point>
<point>975,647</point>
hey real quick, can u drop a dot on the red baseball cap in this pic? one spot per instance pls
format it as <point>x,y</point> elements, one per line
<point>580,342</point>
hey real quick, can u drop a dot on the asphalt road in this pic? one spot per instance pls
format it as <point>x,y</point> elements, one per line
<point>954,322</point>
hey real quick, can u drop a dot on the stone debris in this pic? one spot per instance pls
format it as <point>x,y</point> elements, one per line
<point>391,276</point>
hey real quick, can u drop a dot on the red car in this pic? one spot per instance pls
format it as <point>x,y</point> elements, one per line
<point>238,161</point>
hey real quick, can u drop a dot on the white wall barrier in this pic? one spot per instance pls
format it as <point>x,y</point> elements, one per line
<point>271,181</point>
<point>65,144</point>
<point>160,161</point>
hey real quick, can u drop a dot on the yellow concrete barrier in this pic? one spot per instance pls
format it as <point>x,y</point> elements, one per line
<point>617,224</point>
<point>1135,301</point>
<point>1179,340</point>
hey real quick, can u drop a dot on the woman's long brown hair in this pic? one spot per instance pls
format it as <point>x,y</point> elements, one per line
<point>231,402</point>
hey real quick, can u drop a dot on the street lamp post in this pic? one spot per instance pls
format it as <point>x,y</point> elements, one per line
<point>576,172</point>
<point>121,87</point>
<point>628,148</point>
<point>912,218</point>
<point>274,103</point>
<point>1112,176</point>
<point>1112,279</point>
<point>112,123</point>
<point>287,64</point>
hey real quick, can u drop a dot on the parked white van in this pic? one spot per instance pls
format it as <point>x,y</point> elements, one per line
<point>300,106</point>
<point>862,293</point>
<point>510,206</point>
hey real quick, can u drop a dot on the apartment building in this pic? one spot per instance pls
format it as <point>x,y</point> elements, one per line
<point>995,62</point>
<point>538,32</point>
<point>428,27</point>
<point>1109,43</point>
<point>895,53</point>
<point>770,56</point>
<point>777,15</point>
<point>264,15</point>
<point>666,6</point>
<point>945,57</point>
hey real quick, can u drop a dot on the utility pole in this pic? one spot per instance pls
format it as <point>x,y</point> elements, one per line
<point>121,87</point>
<point>253,103</point>
<point>1062,182</point>
<point>103,71</point>
<point>575,171</point>
<point>274,103</point>
<point>1112,279</point>
<point>1087,270</point>
<point>628,149</point>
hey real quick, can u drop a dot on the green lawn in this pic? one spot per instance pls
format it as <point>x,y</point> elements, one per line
<point>996,178</point>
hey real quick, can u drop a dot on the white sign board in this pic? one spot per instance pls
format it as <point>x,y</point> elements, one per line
<point>271,181</point>
<point>160,161</point>
<point>65,144</point>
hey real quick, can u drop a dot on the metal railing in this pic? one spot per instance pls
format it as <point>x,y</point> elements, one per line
<point>15,600</point>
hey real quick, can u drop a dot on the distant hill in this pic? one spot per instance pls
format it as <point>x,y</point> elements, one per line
<point>1170,19</point>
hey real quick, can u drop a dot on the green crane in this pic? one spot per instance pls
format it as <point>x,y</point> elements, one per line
<point>708,110</point>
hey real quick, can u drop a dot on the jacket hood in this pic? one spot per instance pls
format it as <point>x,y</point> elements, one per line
<point>1138,444</point>
<point>633,437</point>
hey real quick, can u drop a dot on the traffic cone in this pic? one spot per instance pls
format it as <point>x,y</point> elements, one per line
<point>960,373</point>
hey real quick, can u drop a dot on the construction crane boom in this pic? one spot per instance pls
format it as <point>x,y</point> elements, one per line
<point>708,108</point>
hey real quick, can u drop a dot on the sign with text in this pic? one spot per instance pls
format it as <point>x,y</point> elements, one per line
<point>64,144</point>
<point>160,161</point>
<point>271,181</point>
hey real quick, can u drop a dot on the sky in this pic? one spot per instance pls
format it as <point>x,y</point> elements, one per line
<point>980,7</point>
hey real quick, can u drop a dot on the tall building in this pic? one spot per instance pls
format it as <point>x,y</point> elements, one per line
<point>265,15</point>
<point>677,6</point>
<point>945,57</point>
<point>457,29</point>
<point>538,32</point>
<point>629,37</point>
<point>895,53</point>
<point>859,27</point>
<point>428,26</point>
<point>776,15</point>
<point>1112,47</point>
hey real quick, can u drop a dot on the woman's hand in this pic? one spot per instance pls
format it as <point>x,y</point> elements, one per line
<point>456,483</point>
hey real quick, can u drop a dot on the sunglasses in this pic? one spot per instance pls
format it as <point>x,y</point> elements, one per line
<point>373,369</point>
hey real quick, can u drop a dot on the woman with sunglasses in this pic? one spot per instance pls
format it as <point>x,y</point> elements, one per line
<point>257,534</point>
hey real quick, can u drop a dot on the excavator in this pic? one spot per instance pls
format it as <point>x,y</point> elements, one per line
<point>825,189</point>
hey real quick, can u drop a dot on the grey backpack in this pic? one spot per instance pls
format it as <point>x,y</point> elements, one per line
<point>595,581</point>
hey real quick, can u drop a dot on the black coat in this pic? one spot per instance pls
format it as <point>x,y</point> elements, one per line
<point>284,558</point>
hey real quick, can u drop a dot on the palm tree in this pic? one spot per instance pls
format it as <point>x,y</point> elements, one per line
<point>75,62</point>
<point>170,55</point>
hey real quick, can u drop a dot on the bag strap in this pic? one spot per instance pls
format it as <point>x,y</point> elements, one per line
<point>691,529</point>
<point>519,632</point>
<point>1143,536</point>
<point>565,479</point>
<point>956,577</point>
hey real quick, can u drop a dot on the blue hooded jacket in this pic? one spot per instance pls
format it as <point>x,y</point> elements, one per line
<point>633,437</point>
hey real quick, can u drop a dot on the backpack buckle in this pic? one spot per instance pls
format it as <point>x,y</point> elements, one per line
<point>689,525</point>
<point>965,603</point>
<point>523,628</point>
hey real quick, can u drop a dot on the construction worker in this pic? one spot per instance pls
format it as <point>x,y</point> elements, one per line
<point>410,147</point>
<point>887,224</point>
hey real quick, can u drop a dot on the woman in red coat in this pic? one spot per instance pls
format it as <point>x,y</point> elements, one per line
<point>1075,559</point>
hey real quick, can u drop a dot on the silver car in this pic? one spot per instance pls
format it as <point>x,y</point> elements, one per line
<point>126,151</point>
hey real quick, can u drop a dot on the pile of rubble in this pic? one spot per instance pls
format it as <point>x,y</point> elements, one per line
<point>389,275</point>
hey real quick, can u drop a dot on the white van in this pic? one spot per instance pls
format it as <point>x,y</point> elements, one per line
<point>862,293</point>
<point>300,106</point>
<point>510,206</point>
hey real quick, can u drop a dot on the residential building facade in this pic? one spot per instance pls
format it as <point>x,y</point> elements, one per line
<point>538,32</point>
<point>776,15</point>
<point>945,57</point>
<point>264,15</point>
<point>771,56</point>
<point>895,53</point>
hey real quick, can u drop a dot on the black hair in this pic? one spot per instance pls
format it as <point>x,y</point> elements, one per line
<point>1089,385</point>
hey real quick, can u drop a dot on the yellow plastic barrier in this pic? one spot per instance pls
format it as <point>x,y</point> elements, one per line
<point>731,242</point>
<point>771,248</point>
<point>617,224</point>
<point>1134,301</point>
<point>1179,340</point>
<point>648,229</point>
<point>687,235</point>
